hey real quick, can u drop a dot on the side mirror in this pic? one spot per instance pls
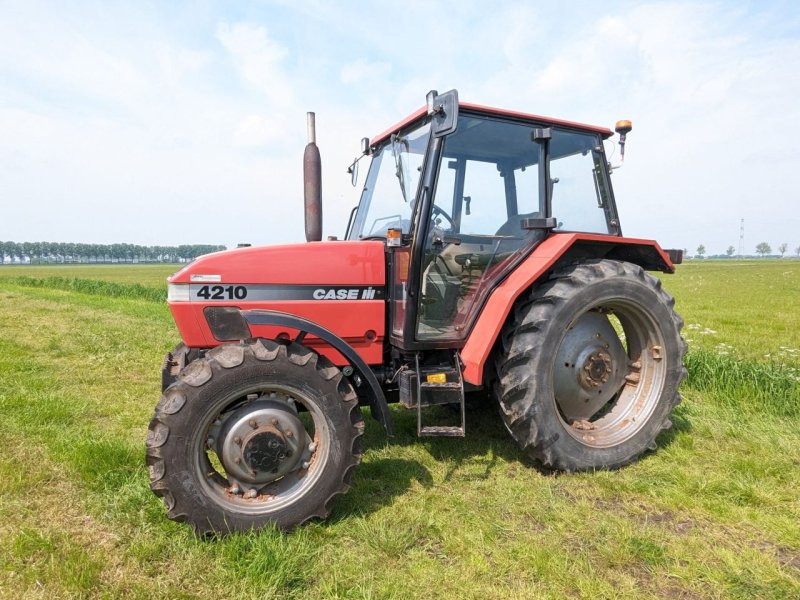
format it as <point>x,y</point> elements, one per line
<point>353,170</point>
<point>443,108</point>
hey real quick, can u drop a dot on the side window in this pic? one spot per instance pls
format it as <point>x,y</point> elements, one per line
<point>577,203</point>
<point>444,199</point>
<point>526,180</point>
<point>484,206</point>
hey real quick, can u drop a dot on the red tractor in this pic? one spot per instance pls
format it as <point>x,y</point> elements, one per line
<point>485,253</point>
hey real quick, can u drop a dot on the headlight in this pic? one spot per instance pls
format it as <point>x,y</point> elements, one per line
<point>178,292</point>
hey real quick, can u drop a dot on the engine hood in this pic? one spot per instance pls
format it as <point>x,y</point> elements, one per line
<point>313,263</point>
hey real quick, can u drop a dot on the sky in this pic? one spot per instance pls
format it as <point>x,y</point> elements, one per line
<point>163,123</point>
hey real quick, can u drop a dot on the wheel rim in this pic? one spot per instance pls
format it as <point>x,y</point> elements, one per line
<point>256,455</point>
<point>609,373</point>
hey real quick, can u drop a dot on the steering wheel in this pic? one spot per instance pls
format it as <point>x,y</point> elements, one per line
<point>439,212</point>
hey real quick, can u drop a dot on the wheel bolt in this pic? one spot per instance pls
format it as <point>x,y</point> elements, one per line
<point>312,446</point>
<point>306,464</point>
<point>289,434</point>
<point>237,440</point>
<point>237,460</point>
<point>234,489</point>
<point>252,423</point>
<point>210,442</point>
<point>274,422</point>
<point>251,493</point>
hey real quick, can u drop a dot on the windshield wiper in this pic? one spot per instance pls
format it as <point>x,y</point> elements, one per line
<point>398,162</point>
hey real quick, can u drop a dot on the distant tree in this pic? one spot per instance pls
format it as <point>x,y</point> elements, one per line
<point>783,248</point>
<point>730,250</point>
<point>701,249</point>
<point>763,249</point>
<point>797,251</point>
<point>69,252</point>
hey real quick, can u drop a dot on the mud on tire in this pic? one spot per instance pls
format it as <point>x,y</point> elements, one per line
<point>589,366</point>
<point>252,434</point>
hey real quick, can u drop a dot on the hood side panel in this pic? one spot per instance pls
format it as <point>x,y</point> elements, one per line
<point>318,266</point>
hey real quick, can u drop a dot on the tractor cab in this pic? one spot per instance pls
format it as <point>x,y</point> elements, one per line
<point>464,197</point>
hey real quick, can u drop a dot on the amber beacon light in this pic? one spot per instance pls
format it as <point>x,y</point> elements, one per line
<point>623,128</point>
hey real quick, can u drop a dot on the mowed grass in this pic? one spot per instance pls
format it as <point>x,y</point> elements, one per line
<point>713,513</point>
<point>146,275</point>
<point>741,308</point>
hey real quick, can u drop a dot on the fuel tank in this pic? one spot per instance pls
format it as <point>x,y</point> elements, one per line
<point>337,284</point>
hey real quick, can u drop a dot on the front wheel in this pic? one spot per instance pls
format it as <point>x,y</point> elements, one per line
<point>590,366</point>
<point>254,434</point>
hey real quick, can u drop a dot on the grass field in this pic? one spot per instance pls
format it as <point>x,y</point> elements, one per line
<point>714,513</point>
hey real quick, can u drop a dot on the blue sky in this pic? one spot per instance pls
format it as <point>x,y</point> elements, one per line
<point>156,123</point>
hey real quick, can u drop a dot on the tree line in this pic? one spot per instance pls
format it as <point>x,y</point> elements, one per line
<point>762,249</point>
<point>68,252</point>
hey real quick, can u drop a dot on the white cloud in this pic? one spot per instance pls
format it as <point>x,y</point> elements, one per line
<point>259,131</point>
<point>363,69</point>
<point>259,60</point>
<point>119,129</point>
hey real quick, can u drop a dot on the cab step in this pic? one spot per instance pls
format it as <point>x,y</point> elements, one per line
<point>434,386</point>
<point>441,431</point>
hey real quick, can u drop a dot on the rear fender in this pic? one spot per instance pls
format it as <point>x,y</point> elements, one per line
<point>559,248</point>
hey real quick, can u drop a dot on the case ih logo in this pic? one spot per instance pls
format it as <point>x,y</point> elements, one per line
<point>344,294</point>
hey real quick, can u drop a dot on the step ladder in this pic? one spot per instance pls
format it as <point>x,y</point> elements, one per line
<point>431,393</point>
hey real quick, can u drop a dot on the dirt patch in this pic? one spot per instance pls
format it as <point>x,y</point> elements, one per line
<point>786,557</point>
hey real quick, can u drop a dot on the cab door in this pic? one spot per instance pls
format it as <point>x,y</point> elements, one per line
<point>487,184</point>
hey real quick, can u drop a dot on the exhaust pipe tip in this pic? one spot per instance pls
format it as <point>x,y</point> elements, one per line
<point>312,127</point>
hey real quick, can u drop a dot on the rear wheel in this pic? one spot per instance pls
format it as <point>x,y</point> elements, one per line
<point>590,366</point>
<point>254,434</point>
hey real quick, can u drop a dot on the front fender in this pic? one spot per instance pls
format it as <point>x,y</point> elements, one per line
<point>378,405</point>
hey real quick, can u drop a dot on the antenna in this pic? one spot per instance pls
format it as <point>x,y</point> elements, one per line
<point>741,238</point>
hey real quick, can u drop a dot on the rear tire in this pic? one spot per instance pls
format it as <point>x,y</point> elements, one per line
<point>254,434</point>
<point>590,366</point>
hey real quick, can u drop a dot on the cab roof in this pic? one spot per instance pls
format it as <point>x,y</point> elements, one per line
<point>497,112</point>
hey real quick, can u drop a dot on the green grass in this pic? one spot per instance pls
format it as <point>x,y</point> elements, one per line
<point>713,513</point>
<point>92,286</point>
<point>147,275</point>
<point>743,308</point>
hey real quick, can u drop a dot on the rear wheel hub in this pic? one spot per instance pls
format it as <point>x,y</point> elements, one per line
<point>590,367</point>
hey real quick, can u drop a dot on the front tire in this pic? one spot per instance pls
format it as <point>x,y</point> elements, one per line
<point>590,366</point>
<point>254,434</point>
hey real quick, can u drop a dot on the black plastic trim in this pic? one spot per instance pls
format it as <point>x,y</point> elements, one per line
<point>378,404</point>
<point>539,223</point>
<point>675,255</point>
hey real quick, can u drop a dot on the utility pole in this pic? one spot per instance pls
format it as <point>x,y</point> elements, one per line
<point>741,238</point>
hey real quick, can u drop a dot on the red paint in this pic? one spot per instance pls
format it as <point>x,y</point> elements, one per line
<point>324,263</point>
<point>499,112</point>
<point>361,323</point>
<point>490,322</point>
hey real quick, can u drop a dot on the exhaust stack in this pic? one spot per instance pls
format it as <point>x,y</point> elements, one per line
<point>312,184</point>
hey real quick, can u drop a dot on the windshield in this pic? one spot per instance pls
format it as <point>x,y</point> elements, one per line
<point>391,187</point>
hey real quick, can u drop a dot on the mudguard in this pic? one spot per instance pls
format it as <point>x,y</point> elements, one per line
<point>378,405</point>
<point>558,248</point>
